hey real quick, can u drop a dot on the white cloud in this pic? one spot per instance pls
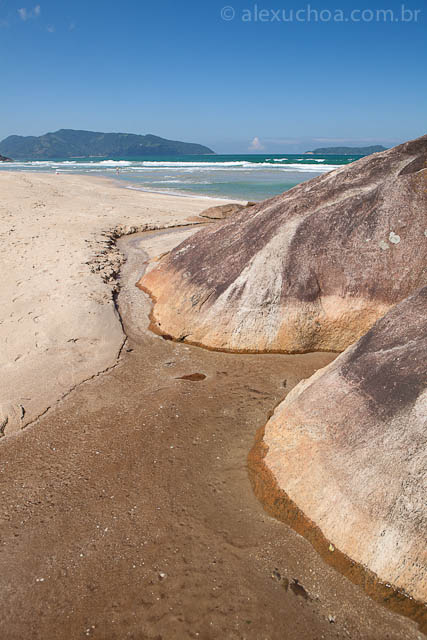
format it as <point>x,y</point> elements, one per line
<point>256,145</point>
<point>50,28</point>
<point>72,26</point>
<point>27,14</point>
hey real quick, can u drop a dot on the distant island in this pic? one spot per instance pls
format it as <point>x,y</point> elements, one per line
<point>4,159</point>
<point>346,151</point>
<point>71,143</point>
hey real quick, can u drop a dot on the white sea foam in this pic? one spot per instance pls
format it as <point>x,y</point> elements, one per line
<point>172,164</point>
<point>144,165</point>
<point>70,163</point>
<point>95,163</point>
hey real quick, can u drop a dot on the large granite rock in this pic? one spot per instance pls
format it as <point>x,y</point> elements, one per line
<point>311,269</point>
<point>348,447</point>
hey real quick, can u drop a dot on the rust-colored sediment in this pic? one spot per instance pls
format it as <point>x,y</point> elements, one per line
<point>279,505</point>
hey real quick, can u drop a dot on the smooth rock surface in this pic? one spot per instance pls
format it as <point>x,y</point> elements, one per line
<point>223,211</point>
<point>311,269</point>
<point>348,446</point>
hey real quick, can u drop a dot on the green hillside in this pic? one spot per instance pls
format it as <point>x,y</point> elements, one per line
<point>70,143</point>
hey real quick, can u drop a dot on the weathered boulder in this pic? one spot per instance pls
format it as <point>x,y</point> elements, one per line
<point>311,269</point>
<point>222,211</point>
<point>348,447</point>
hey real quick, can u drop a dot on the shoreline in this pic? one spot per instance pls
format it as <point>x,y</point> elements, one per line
<point>272,175</point>
<point>122,185</point>
<point>187,195</point>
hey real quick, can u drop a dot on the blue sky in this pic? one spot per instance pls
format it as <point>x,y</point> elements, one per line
<point>252,77</point>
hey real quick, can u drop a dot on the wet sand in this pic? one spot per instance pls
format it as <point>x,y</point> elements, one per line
<point>127,511</point>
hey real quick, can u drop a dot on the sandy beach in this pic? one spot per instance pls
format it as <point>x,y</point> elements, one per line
<point>126,510</point>
<point>58,323</point>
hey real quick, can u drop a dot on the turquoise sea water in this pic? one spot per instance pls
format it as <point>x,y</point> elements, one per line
<point>242,177</point>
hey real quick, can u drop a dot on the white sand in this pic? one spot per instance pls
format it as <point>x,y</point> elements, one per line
<point>58,324</point>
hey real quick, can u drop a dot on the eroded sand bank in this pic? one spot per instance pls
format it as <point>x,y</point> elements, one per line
<point>58,323</point>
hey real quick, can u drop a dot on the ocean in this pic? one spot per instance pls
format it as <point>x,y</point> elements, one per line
<point>240,177</point>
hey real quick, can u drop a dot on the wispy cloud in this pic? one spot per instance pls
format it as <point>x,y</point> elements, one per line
<point>256,145</point>
<point>72,26</point>
<point>29,14</point>
<point>51,28</point>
